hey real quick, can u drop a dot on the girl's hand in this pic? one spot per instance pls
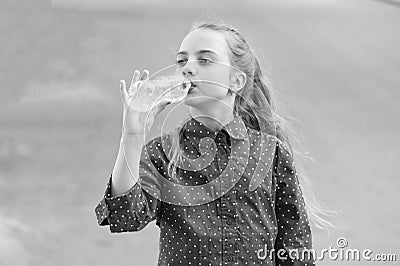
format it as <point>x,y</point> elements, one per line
<point>135,122</point>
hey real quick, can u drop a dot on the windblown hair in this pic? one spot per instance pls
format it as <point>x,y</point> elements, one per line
<point>256,107</point>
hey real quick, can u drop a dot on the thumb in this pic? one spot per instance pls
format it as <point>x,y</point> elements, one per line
<point>161,106</point>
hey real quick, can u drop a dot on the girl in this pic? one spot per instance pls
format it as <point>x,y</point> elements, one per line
<point>222,187</point>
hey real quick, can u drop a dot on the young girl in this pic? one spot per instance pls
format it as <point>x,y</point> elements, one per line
<point>222,187</point>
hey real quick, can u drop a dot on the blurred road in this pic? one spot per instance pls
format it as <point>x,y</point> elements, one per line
<point>334,65</point>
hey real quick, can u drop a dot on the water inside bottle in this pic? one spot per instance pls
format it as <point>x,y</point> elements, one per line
<point>172,88</point>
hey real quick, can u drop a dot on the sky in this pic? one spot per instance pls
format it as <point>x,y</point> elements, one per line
<point>333,64</point>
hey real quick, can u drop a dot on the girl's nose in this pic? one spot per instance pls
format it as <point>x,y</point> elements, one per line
<point>188,69</point>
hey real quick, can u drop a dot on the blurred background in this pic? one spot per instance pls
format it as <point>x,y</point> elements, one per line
<point>334,64</point>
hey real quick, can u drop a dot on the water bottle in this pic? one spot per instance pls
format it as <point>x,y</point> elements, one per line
<point>173,88</point>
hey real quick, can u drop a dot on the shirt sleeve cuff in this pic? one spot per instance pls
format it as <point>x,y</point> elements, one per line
<point>104,207</point>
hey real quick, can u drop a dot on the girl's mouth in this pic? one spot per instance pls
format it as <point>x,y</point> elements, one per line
<point>192,87</point>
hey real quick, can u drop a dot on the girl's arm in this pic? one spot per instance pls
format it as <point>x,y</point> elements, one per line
<point>122,179</point>
<point>126,205</point>
<point>129,205</point>
<point>294,233</point>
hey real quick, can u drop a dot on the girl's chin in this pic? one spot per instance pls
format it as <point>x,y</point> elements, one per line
<point>194,100</point>
<point>189,100</point>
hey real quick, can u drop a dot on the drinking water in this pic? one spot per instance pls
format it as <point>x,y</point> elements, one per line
<point>173,88</point>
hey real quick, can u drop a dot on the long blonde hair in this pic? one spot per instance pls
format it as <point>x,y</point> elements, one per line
<point>256,107</point>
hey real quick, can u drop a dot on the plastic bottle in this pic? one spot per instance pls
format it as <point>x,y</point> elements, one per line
<point>173,88</point>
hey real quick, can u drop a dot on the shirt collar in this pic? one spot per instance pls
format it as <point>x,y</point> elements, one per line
<point>236,129</point>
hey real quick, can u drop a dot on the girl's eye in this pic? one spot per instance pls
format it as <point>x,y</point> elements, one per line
<point>205,61</point>
<point>181,62</point>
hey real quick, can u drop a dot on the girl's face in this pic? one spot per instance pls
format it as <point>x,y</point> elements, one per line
<point>203,58</point>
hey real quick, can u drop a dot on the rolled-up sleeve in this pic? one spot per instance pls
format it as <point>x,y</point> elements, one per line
<point>294,234</point>
<point>133,210</point>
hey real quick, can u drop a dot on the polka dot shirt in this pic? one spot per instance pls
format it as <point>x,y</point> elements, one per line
<point>234,199</point>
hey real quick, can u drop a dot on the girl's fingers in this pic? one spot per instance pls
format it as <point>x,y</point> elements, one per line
<point>124,92</point>
<point>136,81</point>
<point>145,75</point>
<point>133,89</point>
<point>135,77</point>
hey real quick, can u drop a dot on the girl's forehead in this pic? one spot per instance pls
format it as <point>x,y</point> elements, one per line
<point>204,39</point>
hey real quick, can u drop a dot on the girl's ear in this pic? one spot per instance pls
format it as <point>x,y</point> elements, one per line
<point>238,80</point>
